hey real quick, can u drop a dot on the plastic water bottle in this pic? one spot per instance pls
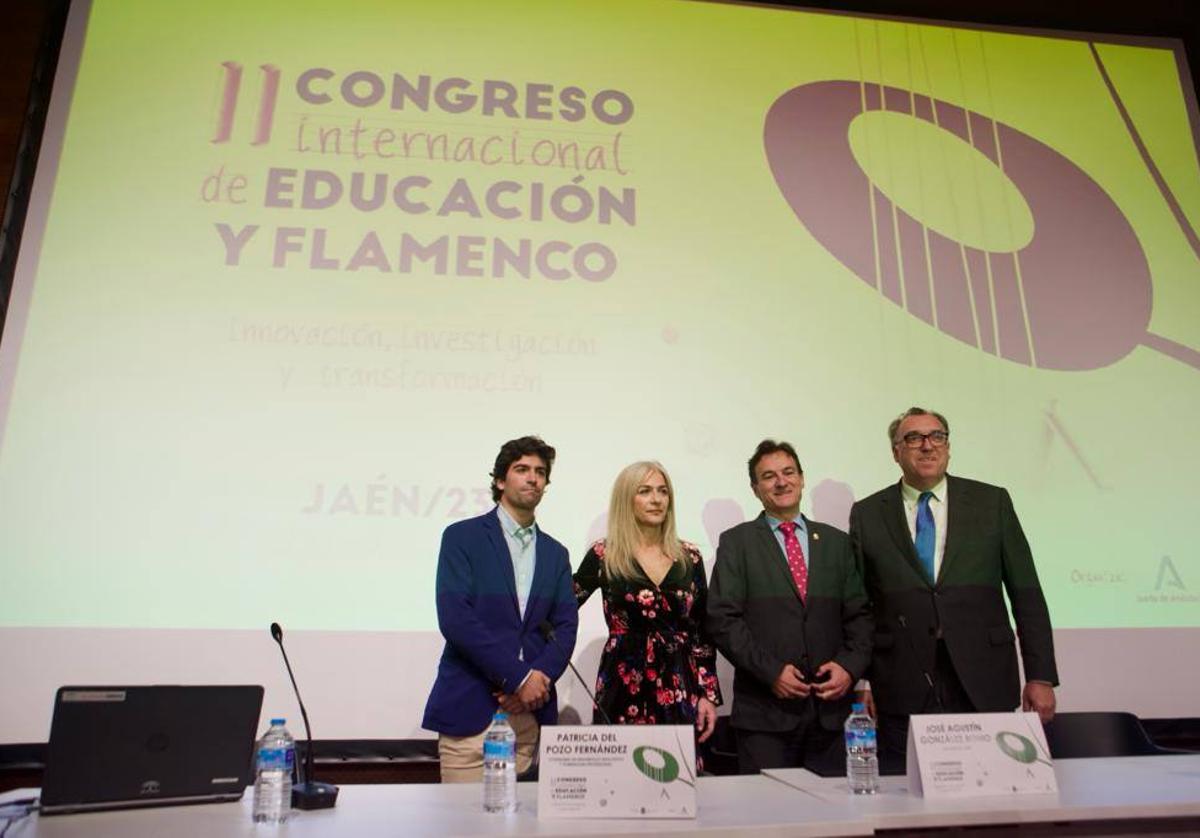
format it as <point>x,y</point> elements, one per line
<point>862,752</point>
<point>274,760</point>
<point>500,766</point>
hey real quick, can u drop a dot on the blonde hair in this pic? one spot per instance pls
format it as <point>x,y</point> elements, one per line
<point>622,538</point>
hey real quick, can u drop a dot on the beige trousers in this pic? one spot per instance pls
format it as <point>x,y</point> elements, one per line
<point>462,756</point>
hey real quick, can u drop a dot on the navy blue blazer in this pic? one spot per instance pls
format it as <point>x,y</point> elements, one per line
<point>489,646</point>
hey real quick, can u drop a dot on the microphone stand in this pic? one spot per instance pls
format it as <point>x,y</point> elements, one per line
<point>912,648</point>
<point>310,794</point>
<point>547,631</point>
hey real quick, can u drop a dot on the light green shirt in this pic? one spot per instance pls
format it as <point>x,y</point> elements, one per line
<point>522,549</point>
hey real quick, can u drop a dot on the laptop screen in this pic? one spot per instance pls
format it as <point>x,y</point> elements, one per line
<point>113,747</point>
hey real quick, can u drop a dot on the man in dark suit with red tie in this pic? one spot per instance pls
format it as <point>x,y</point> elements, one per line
<point>786,606</point>
<point>938,554</point>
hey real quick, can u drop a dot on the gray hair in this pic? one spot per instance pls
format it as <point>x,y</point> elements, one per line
<point>914,411</point>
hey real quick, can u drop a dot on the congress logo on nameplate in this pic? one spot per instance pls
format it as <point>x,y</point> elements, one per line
<point>619,771</point>
<point>979,755</point>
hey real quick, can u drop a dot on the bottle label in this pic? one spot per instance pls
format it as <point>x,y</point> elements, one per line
<point>498,750</point>
<point>271,759</point>
<point>860,739</point>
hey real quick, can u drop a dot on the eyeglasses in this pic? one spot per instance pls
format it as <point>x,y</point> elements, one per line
<point>915,439</point>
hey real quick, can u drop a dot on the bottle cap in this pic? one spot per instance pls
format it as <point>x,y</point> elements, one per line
<point>500,716</point>
<point>857,707</point>
<point>278,721</point>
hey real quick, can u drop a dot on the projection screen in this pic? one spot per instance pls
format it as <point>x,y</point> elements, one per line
<point>292,273</point>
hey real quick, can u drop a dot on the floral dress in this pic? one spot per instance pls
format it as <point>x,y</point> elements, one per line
<point>658,661</point>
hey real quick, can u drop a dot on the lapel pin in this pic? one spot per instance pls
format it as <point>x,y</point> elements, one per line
<point>816,536</point>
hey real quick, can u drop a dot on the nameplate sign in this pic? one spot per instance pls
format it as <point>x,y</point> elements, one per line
<point>979,755</point>
<point>618,771</point>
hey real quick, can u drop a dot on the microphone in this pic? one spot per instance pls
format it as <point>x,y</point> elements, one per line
<point>310,794</point>
<point>912,647</point>
<point>547,631</point>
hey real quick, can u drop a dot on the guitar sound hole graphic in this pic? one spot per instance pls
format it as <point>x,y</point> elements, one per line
<point>1075,295</point>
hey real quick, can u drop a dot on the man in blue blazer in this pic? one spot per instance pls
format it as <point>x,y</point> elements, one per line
<point>499,579</point>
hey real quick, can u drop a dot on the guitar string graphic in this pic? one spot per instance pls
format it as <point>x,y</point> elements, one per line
<point>1151,167</point>
<point>1093,286</point>
<point>1155,341</point>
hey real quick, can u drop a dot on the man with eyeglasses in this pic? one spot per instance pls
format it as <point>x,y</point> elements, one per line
<point>936,552</point>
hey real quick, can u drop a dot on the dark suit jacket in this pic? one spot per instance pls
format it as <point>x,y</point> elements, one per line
<point>986,551</point>
<point>759,623</point>
<point>488,645</point>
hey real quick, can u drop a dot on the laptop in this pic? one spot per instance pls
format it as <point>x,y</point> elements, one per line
<point>119,747</point>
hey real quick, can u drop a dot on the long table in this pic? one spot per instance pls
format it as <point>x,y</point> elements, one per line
<point>1100,792</point>
<point>1092,792</point>
<point>729,806</point>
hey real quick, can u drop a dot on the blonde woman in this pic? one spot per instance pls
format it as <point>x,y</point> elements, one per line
<point>658,666</point>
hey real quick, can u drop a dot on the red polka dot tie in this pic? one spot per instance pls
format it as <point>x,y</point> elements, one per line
<point>795,558</point>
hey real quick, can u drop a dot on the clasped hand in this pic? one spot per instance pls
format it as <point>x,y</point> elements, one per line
<point>531,695</point>
<point>830,683</point>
